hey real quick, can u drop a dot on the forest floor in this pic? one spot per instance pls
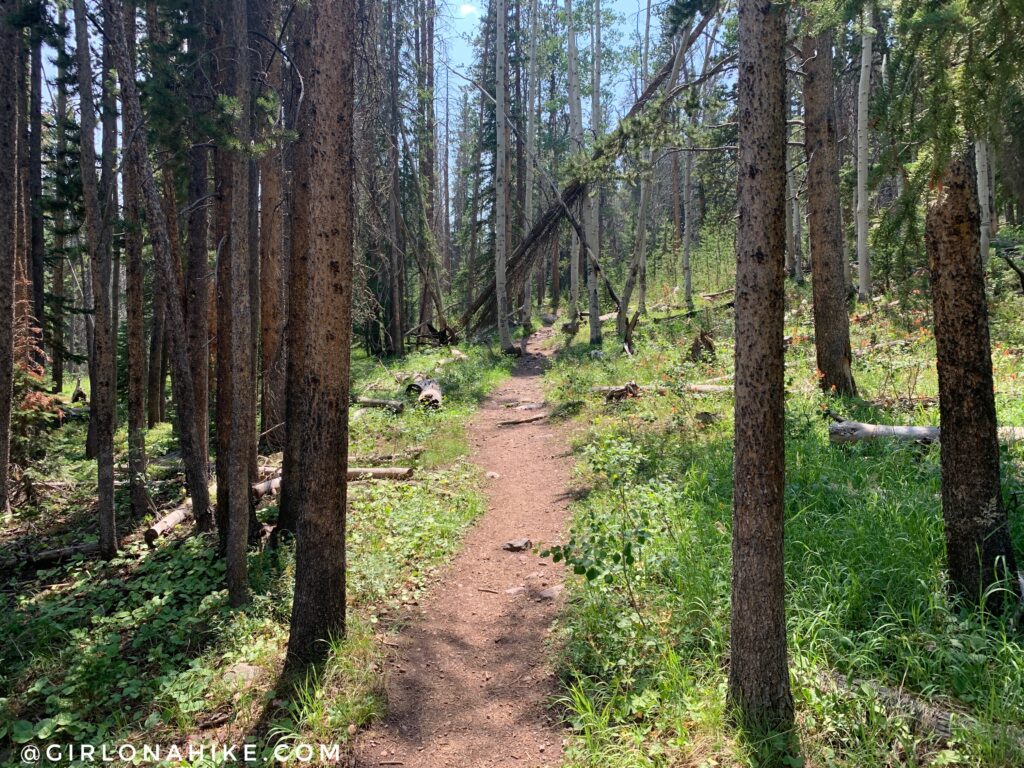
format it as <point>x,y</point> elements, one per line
<point>469,682</point>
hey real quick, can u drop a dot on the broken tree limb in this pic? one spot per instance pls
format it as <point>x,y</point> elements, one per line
<point>857,431</point>
<point>516,422</point>
<point>395,406</point>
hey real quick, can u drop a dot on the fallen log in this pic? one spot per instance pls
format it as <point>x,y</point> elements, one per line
<point>355,474</point>
<point>49,557</point>
<point>395,406</point>
<point>632,389</point>
<point>694,312</point>
<point>170,521</point>
<point>428,392</point>
<point>710,296</point>
<point>857,431</point>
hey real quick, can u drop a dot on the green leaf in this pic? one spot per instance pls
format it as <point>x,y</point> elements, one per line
<point>22,731</point>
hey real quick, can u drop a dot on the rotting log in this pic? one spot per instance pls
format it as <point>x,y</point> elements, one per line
<point>395,406</point>
<point>428,391</point>
<point>857,431</point>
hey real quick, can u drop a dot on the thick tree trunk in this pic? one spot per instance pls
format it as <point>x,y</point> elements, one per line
<point>831,321</point>
<point>137,153</point>
<point>320,388</point>
<point>101,406</point>
<point>298,280</point>
<point>758,668</point>
<point>240,359</point>
<point>978,545</point>
<point>863,93</point>
<point>501,215</point>
<point>9,43</point>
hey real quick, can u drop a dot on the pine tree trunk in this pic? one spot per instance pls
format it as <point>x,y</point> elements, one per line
<point>137,153</point>
<point>978,546</point>
<point>863,93</point>
<point>198,277</point>
<point>292,471</point>
<point>136,347</point>
<point>831,321</point>
<point>109,198</point>
<point>241,360</point>
<point>60,224</point>
<point>9,43</point>
<point>154,377</point>
<point>320,389</point>
<point>758,669</point>
<point>501,215</point>
<point>101,406</point>
<point>593,203</point>
<point>576,135</point>
<point>35,179</point>
<point>272,273</point>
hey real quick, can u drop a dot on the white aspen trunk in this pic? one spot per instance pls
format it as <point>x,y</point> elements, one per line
<point>594,200</point>
<point>576,135</point>
<point>863,91</point>
<point>981,161</point>
<point>501,177</point>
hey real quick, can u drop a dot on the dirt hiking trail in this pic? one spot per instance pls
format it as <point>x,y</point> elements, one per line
<point>468,683</point>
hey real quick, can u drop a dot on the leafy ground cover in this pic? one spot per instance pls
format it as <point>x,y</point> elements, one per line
<point>144,649</point>
<point>644,639</point>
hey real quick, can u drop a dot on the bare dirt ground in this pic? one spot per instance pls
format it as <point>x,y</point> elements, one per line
<point>469,684</point>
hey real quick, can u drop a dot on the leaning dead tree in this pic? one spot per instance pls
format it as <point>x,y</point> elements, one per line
<point>568,200</point>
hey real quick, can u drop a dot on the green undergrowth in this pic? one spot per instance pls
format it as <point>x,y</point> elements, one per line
<point>145,650</point>
<point>643,648</point>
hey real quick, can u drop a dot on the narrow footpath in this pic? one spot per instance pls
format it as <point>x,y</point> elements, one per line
<point>469,682</point>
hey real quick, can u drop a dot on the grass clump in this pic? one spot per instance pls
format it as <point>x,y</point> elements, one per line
<point>644,641</point>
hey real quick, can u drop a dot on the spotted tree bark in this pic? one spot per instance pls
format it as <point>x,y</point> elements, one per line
<point>831,320</point>
<point>320,387</point>
<point>978,546</point>
<point>758,672</point>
